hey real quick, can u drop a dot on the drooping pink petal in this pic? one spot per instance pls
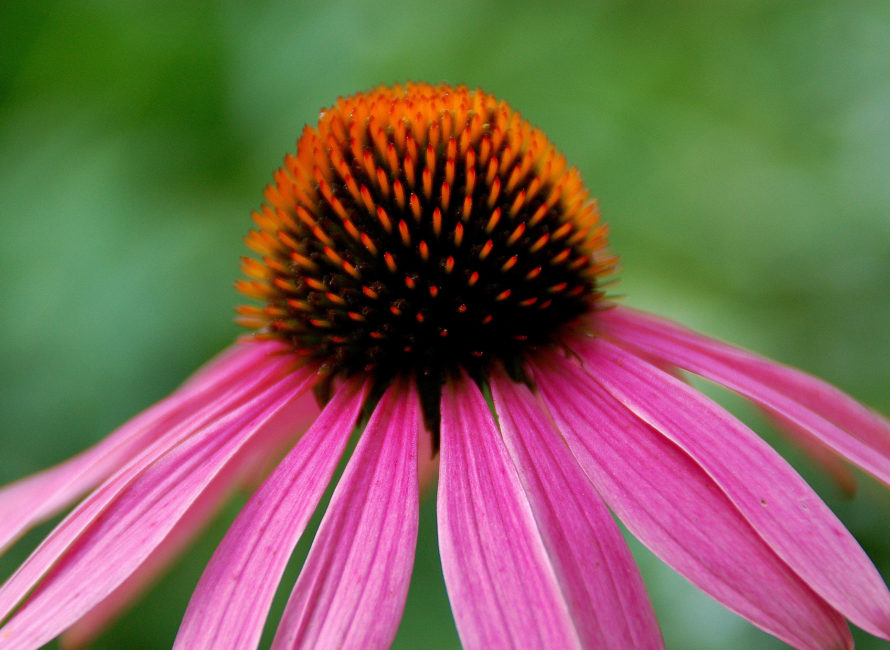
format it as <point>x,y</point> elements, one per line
<point>264,460</point>
<point>777,502</point>
<point>677,511</point>
<point>801,402</point>
<point>501,585</point>
<point>248,466</point>
<point>232,599</point>
<point>829,461</point>
<point>94,622</point>
<point>240,356</point>
<point>352,589</point>
<point>137,517</point>
<point>597,573</point>
<point>35,498</point>
<point>227,401</point>
<point>67,532</point>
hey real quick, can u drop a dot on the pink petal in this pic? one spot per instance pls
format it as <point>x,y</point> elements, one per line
<point>244,353</point>
<point>232,599</point>
<point>351,592</point>
<point>803,403</point>
<point>67,532</point>
<point>94,622</point>
<point>595,569</point>
<point>501,585</point>
<point>95,550</point>
<point>227,401</point>
<point>192,523</point>
<point>35,498</point>
<point>677,511</point>
<point>829,461</point>
<point>306,410</point>
<point>783,509</point>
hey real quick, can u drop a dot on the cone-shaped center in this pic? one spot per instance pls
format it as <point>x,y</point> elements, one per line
<point>419,229</point>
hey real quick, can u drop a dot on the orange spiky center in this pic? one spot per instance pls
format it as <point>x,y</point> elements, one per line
<point>420,229</point>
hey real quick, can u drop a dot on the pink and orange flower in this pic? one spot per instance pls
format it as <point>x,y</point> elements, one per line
<point>432,278</point>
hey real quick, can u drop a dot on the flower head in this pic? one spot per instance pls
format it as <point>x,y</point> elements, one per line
<point>423,230</point>
<point>434,272</point>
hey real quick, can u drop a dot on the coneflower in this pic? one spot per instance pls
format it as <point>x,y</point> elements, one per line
<point>432,272</point>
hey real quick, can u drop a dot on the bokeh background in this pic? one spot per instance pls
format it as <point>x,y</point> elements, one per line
<point>740,150</point>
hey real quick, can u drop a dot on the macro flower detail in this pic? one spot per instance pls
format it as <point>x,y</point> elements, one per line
<point>421,235</point>
<point>431,277</point>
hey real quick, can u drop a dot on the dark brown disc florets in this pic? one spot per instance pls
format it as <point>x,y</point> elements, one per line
<point>421,229</point>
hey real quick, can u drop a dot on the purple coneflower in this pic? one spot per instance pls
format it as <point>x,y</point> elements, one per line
<point>432,272</point>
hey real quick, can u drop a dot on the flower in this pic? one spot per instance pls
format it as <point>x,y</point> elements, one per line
<point>433,271</point>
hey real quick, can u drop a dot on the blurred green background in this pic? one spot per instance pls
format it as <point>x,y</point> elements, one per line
<point>741,153</point>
